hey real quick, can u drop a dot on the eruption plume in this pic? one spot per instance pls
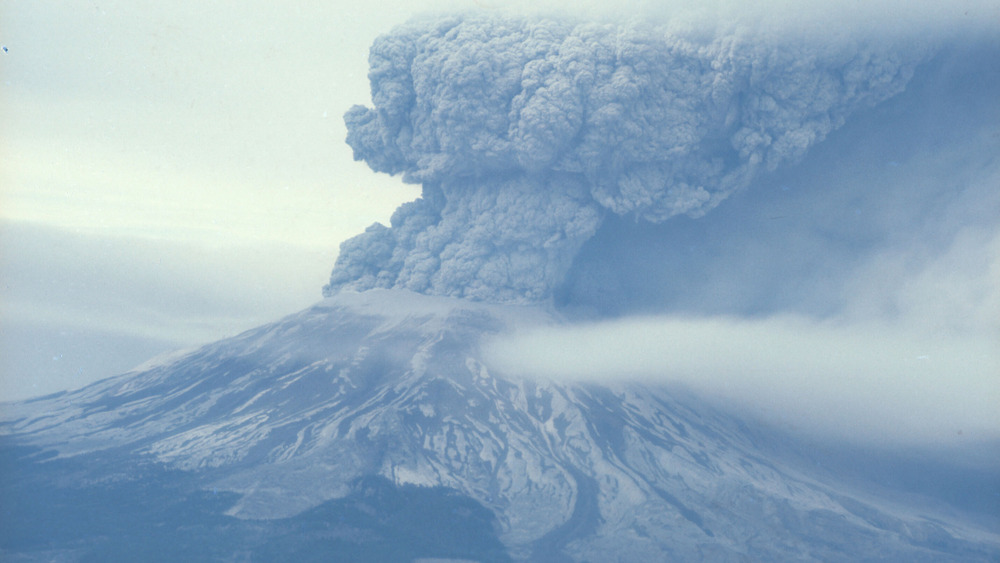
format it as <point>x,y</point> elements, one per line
<point>525,134</point>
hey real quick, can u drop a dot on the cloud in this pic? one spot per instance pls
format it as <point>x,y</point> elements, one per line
<point>76,307</point>
<point>861,382</point>
<point>881,327</point>
<point>525,134</point>
<point>853,296</point>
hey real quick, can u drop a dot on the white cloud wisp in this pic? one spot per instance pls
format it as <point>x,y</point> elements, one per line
<point>862,382</point>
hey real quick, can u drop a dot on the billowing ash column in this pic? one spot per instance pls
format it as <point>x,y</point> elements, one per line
<point>525,133</point>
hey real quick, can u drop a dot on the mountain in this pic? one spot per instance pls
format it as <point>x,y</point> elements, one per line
<point>577,172</point>
<point>343,429</point>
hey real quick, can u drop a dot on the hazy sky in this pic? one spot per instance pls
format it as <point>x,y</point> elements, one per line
<point>172,174</point>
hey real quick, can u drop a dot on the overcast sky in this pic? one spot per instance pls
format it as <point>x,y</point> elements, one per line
<point>175,173</point>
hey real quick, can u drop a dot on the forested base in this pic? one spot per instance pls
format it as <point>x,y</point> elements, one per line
<point>53,510</point>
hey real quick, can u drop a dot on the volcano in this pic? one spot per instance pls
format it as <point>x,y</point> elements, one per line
<point>322,430</point>
<point>380,425</point>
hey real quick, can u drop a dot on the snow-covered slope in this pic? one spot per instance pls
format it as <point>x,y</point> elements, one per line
<point>392,383</point>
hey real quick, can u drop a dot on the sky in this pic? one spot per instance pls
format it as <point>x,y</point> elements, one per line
<point>175,174</point>
<point>172,174</point>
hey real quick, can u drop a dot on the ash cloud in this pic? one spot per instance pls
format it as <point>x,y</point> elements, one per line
<point>526,134</point>
<point>853,297</point>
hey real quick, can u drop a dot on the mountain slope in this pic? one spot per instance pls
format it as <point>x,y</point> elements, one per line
<point>393,384</point>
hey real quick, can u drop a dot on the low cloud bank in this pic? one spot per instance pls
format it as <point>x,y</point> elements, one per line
<point>860,382</point>
<point>76,307</point>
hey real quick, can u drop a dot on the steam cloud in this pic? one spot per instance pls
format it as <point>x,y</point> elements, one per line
<point>525,134</point>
